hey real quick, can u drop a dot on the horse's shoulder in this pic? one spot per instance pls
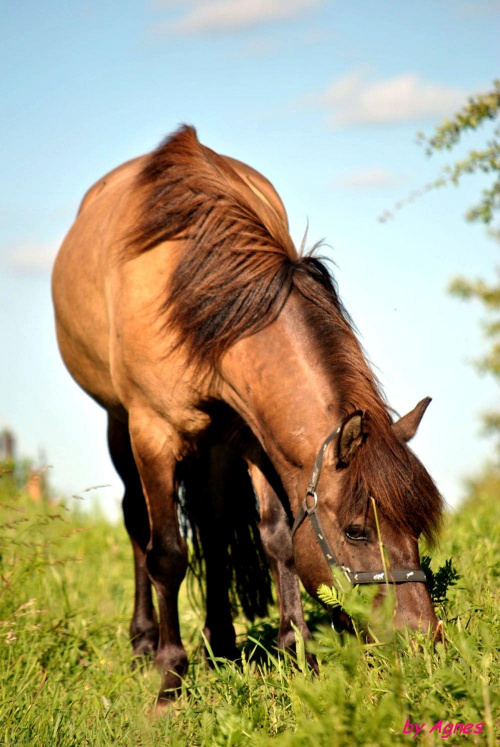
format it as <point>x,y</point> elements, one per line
<point>260,185</point>
<point>127,170</point>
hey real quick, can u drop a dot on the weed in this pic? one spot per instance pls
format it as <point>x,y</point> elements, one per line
<point>66,592</point>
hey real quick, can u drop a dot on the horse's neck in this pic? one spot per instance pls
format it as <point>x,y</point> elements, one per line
<point>279,384</point>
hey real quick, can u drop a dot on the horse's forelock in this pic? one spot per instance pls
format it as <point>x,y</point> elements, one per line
<point>386,470</point>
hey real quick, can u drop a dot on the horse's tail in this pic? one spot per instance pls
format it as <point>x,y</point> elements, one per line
<point>218,505</point>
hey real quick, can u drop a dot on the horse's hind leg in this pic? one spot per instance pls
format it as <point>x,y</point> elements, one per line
<point>143,626</point>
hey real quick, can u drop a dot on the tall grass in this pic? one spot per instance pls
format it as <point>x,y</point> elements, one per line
<point>65,670</point>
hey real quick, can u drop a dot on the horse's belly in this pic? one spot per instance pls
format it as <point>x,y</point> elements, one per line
<point>81,318</point>
<point>89,371</point>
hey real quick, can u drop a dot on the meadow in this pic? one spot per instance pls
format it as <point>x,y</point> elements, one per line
<point>66,591</point>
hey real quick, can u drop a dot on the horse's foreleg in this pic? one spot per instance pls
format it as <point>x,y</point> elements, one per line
<point>143,626</point>
<point>153,445</point>
<point>277,542</point>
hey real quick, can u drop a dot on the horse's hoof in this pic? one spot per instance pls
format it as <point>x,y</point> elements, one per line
<point>144,648</point>
<point>166,701</point>
<point>169,697</point>
<point>142,659</point>
<point>168,704</point>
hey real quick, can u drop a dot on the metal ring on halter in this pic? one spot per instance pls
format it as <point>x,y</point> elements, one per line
<point>313,508</point>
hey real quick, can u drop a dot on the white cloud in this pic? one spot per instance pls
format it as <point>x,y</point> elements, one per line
<point>355,99</point>
<point>263,45</point>
<point>31,258</point>
<point>372,178</point>
<point>202,16</point>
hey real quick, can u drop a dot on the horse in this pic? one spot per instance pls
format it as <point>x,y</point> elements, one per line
<point>230,371</point>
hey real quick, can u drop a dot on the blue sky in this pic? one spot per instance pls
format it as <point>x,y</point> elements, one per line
<point>325,99</point>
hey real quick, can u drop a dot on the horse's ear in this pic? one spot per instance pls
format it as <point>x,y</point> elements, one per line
<point>406,427</point>
<point>350,437</point>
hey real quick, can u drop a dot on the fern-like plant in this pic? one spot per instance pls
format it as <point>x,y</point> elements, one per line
<point>439,582</point>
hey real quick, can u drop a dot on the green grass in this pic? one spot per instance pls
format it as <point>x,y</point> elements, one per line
<point>65,676</point>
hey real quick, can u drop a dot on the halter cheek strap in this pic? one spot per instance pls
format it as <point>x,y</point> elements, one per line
<point>309,508</point>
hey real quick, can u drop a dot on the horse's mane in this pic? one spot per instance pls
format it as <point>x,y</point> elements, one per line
<point>238,268</point>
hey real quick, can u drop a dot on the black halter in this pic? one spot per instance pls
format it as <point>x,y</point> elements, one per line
<point>309,508</point>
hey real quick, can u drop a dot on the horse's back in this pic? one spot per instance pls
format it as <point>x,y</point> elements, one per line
<point>122,173</point>
<point>97,299</point>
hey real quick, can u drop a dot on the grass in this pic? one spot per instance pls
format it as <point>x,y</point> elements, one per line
<point>66,593</point>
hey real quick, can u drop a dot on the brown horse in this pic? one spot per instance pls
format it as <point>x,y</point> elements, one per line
<point>218,351</point>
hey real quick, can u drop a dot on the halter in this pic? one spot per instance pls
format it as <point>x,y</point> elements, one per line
<point>309,509</point>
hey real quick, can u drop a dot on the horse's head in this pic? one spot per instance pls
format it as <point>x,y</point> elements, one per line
<point>370,490</point>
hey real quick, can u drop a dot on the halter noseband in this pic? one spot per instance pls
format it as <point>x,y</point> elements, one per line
<point>399,576</point>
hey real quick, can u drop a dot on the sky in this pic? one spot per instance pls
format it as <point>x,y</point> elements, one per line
<point>323,97</point>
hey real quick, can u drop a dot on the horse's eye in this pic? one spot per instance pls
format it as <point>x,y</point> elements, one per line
<point>356,533</point>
